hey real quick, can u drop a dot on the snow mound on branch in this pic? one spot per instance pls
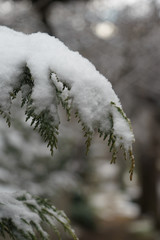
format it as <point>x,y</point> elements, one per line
<point>22,214</point>
<point>11,208</point>
<point>45,56</point>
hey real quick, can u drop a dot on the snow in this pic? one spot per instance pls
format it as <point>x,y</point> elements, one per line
<point>27,214</point>
<point>14,209</point>
<point>91,92</point>
<point>114,205</point>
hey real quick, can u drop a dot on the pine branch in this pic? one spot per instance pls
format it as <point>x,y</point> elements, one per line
<point>44,122</point>
<point>22,216</point>
<point>76,85</point>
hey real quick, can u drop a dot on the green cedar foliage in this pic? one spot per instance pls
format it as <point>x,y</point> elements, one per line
<point>45,123</point>
<point>28,227</point>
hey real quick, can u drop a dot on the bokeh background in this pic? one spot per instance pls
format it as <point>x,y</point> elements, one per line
<point>122,39</point>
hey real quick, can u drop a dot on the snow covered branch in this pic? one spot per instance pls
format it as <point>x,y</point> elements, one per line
<point>21,216</point>
<point>48,73</point>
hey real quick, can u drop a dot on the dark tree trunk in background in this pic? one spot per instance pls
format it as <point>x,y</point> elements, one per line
<point>149,172</point>
<point>42,7</point>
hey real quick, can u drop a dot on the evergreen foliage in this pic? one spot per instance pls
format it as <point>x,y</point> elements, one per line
<point>19,225</point>
<point>33,74</point>
<point>48,129</point>
<point>45,124</point>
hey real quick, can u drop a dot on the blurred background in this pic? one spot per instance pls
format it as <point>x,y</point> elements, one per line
<point>122,39</point>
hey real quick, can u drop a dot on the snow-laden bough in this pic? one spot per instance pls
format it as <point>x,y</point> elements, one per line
<point>48,73</point>
<point>21,214</point>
